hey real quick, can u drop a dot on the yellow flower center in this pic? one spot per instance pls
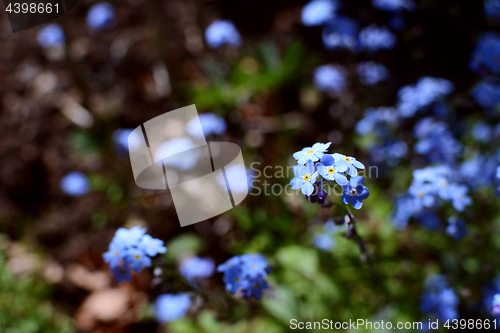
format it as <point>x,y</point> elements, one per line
<point>348,159</point>
<point>310,151</point>
<point>137,256</point>
<point>331,170</point>
<point>306,177</point>
<point>421,194</point>
<point>256,285</point>
<point>117,253</point>
<point>237,279</point>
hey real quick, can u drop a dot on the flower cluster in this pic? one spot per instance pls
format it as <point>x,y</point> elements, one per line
<point>486,93</point>
<point>439,300</point>
<point>486,54</point>
<point>170,307</point>
<point>370,73</point>
<point>374,38</point>
<point>131,249</point>
<point>246,273</point>
<point>435,141</point>
<point>431,187</point>
<point>318,12</point>
<point>222,32</point>
<point>341,32</point>
<point>330,78</point>
<point>331,167</point>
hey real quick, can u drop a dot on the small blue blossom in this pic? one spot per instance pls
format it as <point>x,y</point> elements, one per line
<point>403,211</point>
<point>313,153</point>
<point>370,73</point>
<point>323,241</point>
<point>427,90</point>
<point>75,184</point>
<point>435,141</point>
<point>486,54</point>
<point>456,228</point>
<point>390,152</point>
<point>131,249</point>
<point>246,274</point>
<point>197,268</point>
<point>330,78</point>
<point>332,169</point>
<point>341,32</point>
<point>172,149</point>
<point>423,195</point>
<point>487,92</point>
<point>305,176</point>
<point>459,197</point>
<point>222,32</point>
<point>211,124</point>
<point>492,8</point>
<point>124,139</point>
<point>375,38</point>
<point>100,16</point>
<point>318,12</point>
<point>170,307</point>
<point>352,163</point>
<point>482,132</point>
<point>355,192</point>
<point>377,120</point>
<point>394,5</point>
<point>51,35</point>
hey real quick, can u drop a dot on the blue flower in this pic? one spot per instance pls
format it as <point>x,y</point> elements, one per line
<point>482,132</point>
<point>222,32</point>
<point>370,73</point>
<point>313,153</point>
<point>341,32</point>
<point>423,195</point>
<point>122,272</point>
<point>438,299</point>
<point>196,267</point>
<point>492,8</point>
<point>486,54</point>
<point>486,93</point>
<point>152,246</point>
<point>75,184</point>
<point>125,139</point>
<point>390,152</point>
<point>403,211</point>
<point>246,273</point>
<point>352,163</point>
<point>331,169</point>
<point>428,219</point>
<point>355,192</point>
<point>427,90</point>
<point>211,124</point>
<point>498,172</point>
<point>436,142</point>
<point>305,176</point>
<point>101,15</point>
<point>323,241</point>
<point>394,5</point>
<point>456,228</point>
<point>130,250</point>
<point>459,197</point>
<point>495,310</point>
<point>178,153</point>
<point>318,12</point>
<point>330,78</point>
<point>375,38</point>
<point>378,120</point>
<point>170,307</point>
<point>51,35</point>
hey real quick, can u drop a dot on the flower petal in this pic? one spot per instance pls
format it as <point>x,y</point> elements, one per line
<point>310,166</point>
<point>307,188</point>
<point>341,165</point>
<point>357,164</point>
<point>296,183</point>
<point>340,179</point>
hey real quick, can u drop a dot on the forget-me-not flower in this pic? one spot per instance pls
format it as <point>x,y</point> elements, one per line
<point>330,78</point>
<point>222,32</point>
<point>197,268</point>
<point>332,169</point>
<point>374,38</point>
<point>170,307</point>
<point>486,53</point>
<point>313,153</point>
<point>51,35</point>
<point>352,163</point>
<point>341,32</point>
<point>75,184</point>
<point>305,176</point>
<point>210,123</point>
<point>318,12</point>
<point>371,73</point>
<point>100,16</point>
<point>355,192</point>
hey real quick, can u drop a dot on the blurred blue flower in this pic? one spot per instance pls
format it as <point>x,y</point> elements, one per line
<point>495,310</point>
<point>427,90</point>
<point>486,93</point>
<point>124,139</point>
<point>237,184</point>
<point>394,5</point>
<point>459,197</point>
<point>341,32</point>
<point>100,16</point>
<point>371,73</point>
<point>332,169</point>
<point>435,141</point>
<point>318,12</point>
<point>179,153</point>
<point>305,176</point>
<point>222,32</point>
<point>75,184</point>
<point>478,170</point>
<point>51,35</point>
<point>130,249</point>
<point>170,307</point>
<point>375,38</point>
<point>456,228</point>
<point>390,152</point>
<point>498,172</point>
<point>377,120</point>
<point>423,195</point>
<point>330,78</point>
<point>439,300</point>
<point>197,268</point>
<point>486,53</point>
<point>492,8</point>
<point>245,273</point>
<point>482,132</point>
<point>355,192</point>
<point>402,212</point>
<point>313,153</point>
<point>211,124</point>
<point>323,241</point>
